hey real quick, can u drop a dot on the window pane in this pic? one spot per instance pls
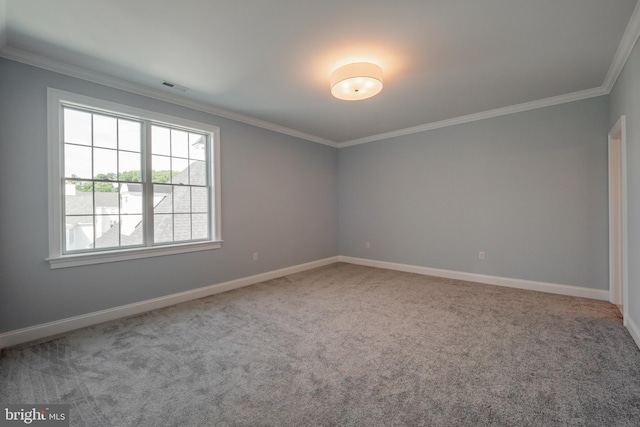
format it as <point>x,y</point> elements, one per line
<point>105,132</point>
<point>180,171</point>
<point>129,135</point>
<point>129,166</point>
<point>199,200</point>
<point>77,161</point>
<point>106,202</point>
<point>131,230</point>
<point>182,227</point>
<point>179,143</point>
<point>105,187</point>
<point>131,199</point>
<point>181,199</point>
<point>200,226</point>
<point>160,141</point>
<point>161,169</point>
<point>78,198</point>
<point>162,199</point>
<point>107,231</point>
<point>105,164</point>
<point>77,127</point>
<point>78,232</point>
<point>198,173</point>
<point>162,228</point>
<point>197,146</point>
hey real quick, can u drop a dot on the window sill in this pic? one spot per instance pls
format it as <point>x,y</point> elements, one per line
<point>65,261</point>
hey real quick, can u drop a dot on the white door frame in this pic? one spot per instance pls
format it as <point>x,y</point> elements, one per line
<point>618,261</point>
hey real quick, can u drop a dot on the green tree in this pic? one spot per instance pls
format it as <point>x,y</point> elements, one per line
<point>130,176</point>
<point>159,177</point>
<point>162,177</point>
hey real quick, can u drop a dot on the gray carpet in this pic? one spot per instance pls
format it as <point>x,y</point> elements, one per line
<point>343,345</point>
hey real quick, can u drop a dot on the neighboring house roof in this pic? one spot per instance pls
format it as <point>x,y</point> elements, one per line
<point>82,202</point>
<point>112,238</point>
<point>164,226</point>
<point>133,187</point>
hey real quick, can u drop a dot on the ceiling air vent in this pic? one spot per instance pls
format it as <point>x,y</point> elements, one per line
<point>174,86</point>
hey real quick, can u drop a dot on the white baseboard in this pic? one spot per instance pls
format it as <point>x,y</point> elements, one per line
<point>65,325</point>
<point>489,280</point>
<point>633,330</point>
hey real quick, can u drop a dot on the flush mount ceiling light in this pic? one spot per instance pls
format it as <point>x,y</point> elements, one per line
<point>357,81</point>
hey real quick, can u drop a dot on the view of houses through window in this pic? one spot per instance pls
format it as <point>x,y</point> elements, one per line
<point>115,167</point>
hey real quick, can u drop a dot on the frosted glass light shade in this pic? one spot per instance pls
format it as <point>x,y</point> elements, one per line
<point>357,81</point>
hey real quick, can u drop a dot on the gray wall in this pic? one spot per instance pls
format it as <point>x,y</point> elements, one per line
<point>625,99</point>
<point>279,197</point>
<point>528,189</point>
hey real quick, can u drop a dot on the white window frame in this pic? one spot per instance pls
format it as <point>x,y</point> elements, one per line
<point>56,99</point>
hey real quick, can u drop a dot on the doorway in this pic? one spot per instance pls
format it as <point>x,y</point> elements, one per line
<point>618,293</point>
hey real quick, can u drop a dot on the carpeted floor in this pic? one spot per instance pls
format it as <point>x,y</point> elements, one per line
<point>343,345</point>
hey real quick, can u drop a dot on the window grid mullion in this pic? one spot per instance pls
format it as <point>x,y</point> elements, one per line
<point>147,185</point>
<point>119,184</point>
<point>173,186</point>
<point>209,153</point>
<point>93,186</point>
<point>176,162</point>
<point>173,209</point>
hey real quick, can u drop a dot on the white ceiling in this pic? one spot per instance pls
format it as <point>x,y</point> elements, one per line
<point>271,60</point>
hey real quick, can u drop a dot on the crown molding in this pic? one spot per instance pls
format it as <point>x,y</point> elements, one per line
<point>547,102</point>
<point>117,83</point>
<point>629,39</point>
<point>628,42</point>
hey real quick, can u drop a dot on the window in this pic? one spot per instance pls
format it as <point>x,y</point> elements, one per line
<point>127,183</point>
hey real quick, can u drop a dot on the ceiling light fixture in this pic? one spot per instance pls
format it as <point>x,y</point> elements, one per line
<point>357,81</point>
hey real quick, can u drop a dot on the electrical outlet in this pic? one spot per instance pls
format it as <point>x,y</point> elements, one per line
<point>480,255</point>
<point>367,245</point>
<point>255,256</point>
